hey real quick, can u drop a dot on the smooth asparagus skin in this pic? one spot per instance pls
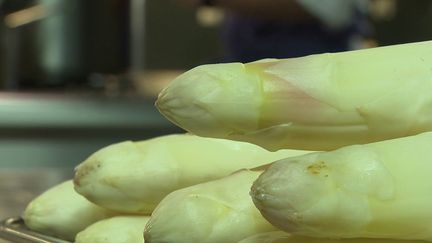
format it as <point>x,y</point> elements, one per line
<point>377,190</point>
<point>62,213</point>
<point>212,212</point>
<point>133,177</point>
<point>119,229</point>
<point>318,102</point>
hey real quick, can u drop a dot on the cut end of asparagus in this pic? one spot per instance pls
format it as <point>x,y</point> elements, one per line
<point>323,194</point>
<point>213,100</point>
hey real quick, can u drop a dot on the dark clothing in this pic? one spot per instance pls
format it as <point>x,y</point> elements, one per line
<point>250,39</point>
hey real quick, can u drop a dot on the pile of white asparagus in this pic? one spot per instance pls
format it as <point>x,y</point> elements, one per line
<point>328,148</point>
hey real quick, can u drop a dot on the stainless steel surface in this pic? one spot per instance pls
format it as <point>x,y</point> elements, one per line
<point>58,40</point>
<point>137,32</point>
<point>14,230</point>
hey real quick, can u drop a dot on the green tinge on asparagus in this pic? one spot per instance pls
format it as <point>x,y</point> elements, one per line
<point>213,212</point>
<point>119,229</point>
<point>133,177</point>
<point>283,237</point>
<point>61,212</point>
<point>378,190</point>
<point>318,102</point>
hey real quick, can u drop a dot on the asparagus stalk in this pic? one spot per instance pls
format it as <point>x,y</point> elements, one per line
<point>213,212</point>
<point>61,212</point>
<point>378,190</point>
<point>133,177</point>
<point>119,229</point>
<point>318,102</point>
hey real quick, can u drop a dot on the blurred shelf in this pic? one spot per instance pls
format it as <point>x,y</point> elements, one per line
<point>27,110</point>
<point>61,130</point>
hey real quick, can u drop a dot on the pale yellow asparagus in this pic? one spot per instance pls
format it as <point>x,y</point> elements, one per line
<point>318,102</point>
<point>62,213</point>
<point>218,211</point>
<point>119,229</point>
<point>283,237</point>
<point>133,177</point>
<point>378,190</point>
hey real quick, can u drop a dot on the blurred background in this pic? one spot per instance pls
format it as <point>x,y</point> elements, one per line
<point>77,75</point>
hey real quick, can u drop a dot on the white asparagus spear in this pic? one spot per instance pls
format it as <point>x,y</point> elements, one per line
<point>62,213</point>
<point>133,177</point>
<point>219,211</point>
<point>119,229</point>
<point>317,102</point>
<point>378,190</point>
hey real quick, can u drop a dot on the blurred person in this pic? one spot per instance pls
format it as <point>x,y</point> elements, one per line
<point>256,29</point>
